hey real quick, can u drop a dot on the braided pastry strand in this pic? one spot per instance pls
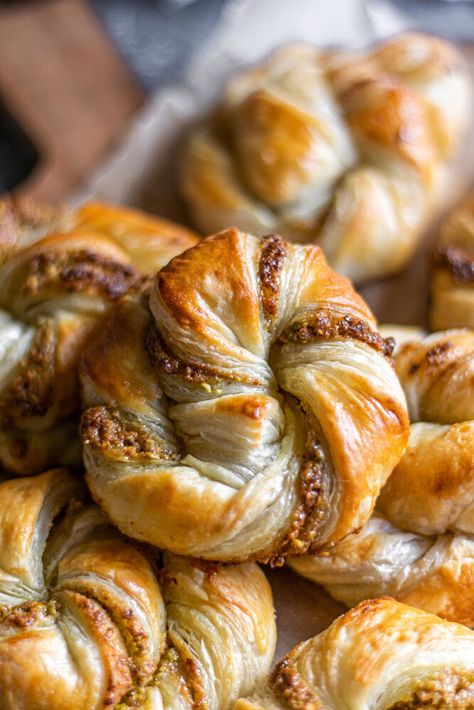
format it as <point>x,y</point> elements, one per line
<point>242,429</point>
<point>60,272</point>
<point>381,655</point>
<point>419,547</point>
<point>346,149</point>
<point>85,624</point>
<point>452,275</point>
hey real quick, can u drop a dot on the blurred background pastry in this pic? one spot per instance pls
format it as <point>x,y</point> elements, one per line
<point>339,148</point>
<point>452,272</point>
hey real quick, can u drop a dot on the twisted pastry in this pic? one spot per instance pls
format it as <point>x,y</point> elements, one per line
<point>84,625</point>
<point>59,274</point>
<point>420,546</point>
<point>452,277</point>
<point>339,147</point>
<point>382,655</point>
<point>242,430</point>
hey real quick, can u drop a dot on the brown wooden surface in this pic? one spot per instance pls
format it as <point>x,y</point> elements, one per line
<point>64,83</point>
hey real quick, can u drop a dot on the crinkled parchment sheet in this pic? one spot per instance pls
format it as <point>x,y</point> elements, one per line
<point>143,171</point>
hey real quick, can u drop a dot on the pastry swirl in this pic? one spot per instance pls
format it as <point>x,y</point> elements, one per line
<point>381,655</point>
<point>85,623</point>
<point>419,547</point>
<point>59,274</point>
<point>342,148</point>
<point>229,417</point>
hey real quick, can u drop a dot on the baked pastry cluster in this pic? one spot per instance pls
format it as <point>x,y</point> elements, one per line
<point>238,404</point>
<point>340,148</point>
<point>90,620</point>
<point>228,415</point>
<point>60,272</point>
<point>419,545</point>
<point>382,655</point>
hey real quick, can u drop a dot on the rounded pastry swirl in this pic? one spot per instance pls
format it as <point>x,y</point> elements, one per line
<point>85,624</point>
<point>419,547</point>
<point>343,148</point>
<point>230,418</point>
<point>381,655</point>
<point>59,273</point>
<point>452,277</point>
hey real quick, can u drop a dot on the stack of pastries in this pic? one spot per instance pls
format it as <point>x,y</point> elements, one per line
<point>175,410</point>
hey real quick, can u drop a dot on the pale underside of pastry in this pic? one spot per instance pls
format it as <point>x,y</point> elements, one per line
<point>419,547</point>
<point>60,272</point>
<point>381,655</point>
<point>85,624</point>
<point>346,149</point>
<point>231,416</point>
<point>452,277</point>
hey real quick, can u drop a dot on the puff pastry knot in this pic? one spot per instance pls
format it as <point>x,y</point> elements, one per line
<point>86,625</point>
<point>59,273</point>
<point>381,655</point>
<point>247,409</point>
<point>346,149</point>
<point>452,276</point>
<point>419,546</point>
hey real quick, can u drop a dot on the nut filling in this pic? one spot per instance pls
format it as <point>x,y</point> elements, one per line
<point>443,691</point>
<point>271,262</point>
<point>458,261</point>
<point>79,271</point>
<point>312,512</point>
<point>290,688</point>
<point>30,394</point>
<point>326,326</point>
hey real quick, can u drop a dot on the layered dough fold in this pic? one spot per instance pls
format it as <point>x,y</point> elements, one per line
<point>60,272</point>
<point>85,623</point>
<point>381,655</point>
<point>419,546</point>
<point>229,416</point>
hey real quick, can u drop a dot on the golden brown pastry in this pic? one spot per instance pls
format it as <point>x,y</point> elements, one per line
<point>420,545</point>
<point>60,272</point>
<point>343,148</point>
<point>452,277</point>
<point>432,488</point>
<point>434,573</point>
<point>381,655</point>
<point>85,626</point>
<point>241,429</point>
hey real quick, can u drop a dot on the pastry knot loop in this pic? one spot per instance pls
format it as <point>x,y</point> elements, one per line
<point>236,405</point>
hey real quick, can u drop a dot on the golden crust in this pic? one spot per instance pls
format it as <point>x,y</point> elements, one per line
<point>342,148</point>
<point>85,623</point>
<point>419,547</point>
<point>243,432</point>
<point>379,654</point>
<point>60,272</point>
